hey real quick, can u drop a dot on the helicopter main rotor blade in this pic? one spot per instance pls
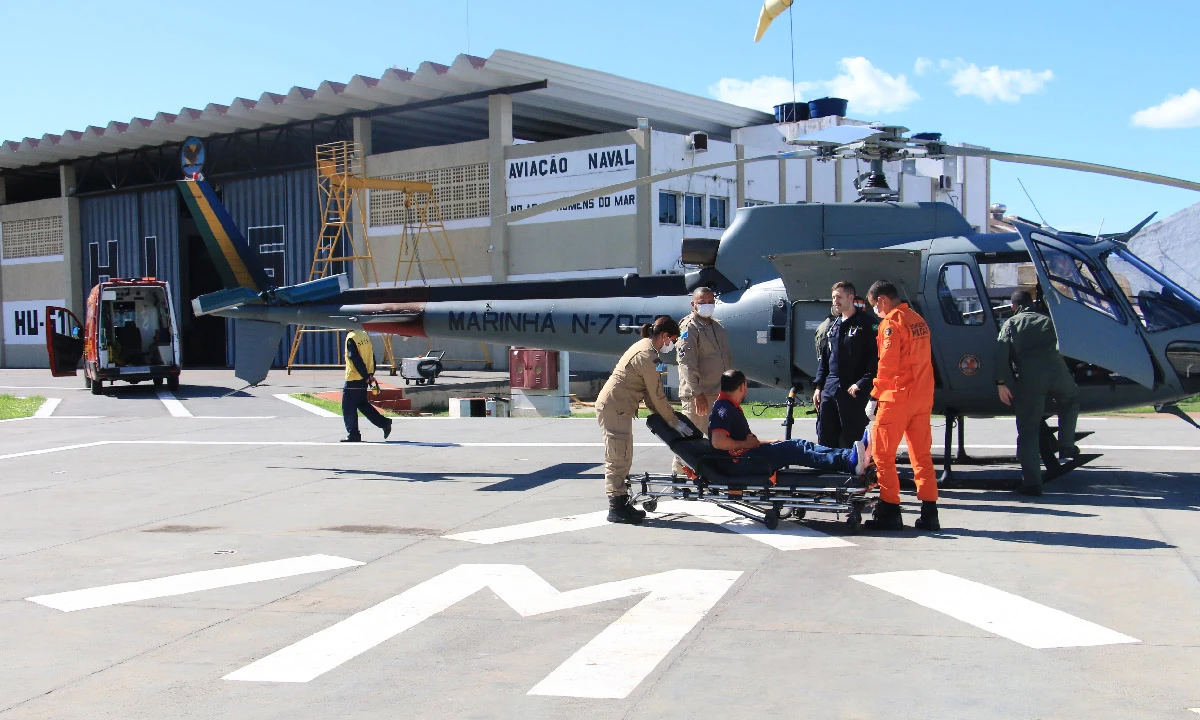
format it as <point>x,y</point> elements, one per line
<point>563,202</point>
<point>1068,165</point>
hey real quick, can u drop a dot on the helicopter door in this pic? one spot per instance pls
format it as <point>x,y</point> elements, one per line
<point>809,276</point>
<point>963,329</point>
<point>1090,323</point>
<point>64,341</point>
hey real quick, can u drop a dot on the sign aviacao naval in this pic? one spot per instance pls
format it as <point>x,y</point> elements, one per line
<point>534,180</point>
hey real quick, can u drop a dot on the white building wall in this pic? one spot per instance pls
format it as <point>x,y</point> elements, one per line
<point>669,151</point>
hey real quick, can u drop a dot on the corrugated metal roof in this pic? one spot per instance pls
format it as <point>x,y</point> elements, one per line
<point>571,91</point>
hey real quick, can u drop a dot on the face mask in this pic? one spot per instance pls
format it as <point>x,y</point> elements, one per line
<point>705,311</point>
<point>667,347</point>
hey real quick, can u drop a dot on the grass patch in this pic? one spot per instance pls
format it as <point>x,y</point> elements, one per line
<point>334,407</point>
<point>12,407</point>
<point>1188,405</point>
<point>319,402</point>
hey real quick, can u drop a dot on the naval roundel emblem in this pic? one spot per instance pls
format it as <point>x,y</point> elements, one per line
<point>968,365</point>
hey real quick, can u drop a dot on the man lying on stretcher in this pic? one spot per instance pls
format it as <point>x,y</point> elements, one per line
<point>729,431</point>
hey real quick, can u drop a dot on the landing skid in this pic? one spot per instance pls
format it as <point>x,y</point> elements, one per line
<point>1048,446</point>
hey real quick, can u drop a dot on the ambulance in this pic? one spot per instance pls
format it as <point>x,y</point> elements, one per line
<point>129,335</point>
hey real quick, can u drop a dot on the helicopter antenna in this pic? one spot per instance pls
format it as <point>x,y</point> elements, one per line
<point>1031,202</point>
<point>1101,230</point>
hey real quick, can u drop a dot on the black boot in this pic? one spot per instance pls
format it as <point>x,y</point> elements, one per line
<point>929,519</point>
<point>621,511</point>
<point>885,516</point>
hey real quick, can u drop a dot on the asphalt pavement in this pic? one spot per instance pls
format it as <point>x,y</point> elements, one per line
<point>216,553</point>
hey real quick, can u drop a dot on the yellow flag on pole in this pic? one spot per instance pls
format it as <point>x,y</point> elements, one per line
<point>771,9</point>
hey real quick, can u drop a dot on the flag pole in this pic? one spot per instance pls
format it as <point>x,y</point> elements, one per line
<point>792,37</point>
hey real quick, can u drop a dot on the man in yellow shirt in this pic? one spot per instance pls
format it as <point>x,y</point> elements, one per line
<point>360,370</point>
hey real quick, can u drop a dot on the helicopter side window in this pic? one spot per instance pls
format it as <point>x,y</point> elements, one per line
<point>1157,301</point>
<point>1002,278</point>
<point>958,295</point>
<point>1074,279</point>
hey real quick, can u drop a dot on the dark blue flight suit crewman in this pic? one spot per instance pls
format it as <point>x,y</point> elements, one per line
<point>845,372</point>
<point>729,432</point>
<point>360,368</point>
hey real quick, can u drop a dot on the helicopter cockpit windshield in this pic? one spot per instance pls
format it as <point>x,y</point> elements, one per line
<point>1159,302</point>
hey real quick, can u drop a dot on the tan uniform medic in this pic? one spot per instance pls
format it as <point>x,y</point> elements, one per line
<point>703,354</point>
<point>634,379</point>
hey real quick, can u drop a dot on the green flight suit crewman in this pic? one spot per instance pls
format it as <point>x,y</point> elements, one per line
<point>1028,341</point>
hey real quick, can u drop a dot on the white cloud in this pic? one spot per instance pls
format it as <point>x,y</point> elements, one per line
<point>762,93</point>
<point>869,89</point>
<point>922,66</point>
<point>994,83</point>
<point>1177,111</point>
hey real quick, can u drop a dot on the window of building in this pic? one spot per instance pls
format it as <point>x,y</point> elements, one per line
<point>959,296</point>
<point>718,211</point>
<point>693,210</point>
<point>668,208</point>
<point>754,203</point>
<point>461,193</point>
<point>40,237</point>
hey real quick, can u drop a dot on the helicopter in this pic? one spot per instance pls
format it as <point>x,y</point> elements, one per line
<point>1130,334</point>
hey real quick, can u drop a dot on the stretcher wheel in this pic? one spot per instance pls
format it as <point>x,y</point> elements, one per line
<point>854,521</point>
<point>650,505</point>
<point>798,514</point>
<point>771,519</point>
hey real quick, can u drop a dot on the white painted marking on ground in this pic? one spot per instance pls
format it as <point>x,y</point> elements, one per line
<point>174,407</point>
<point>303,443</point>
<point>54,417</point>
<point>47,409</point>
<point>610,666</point>
<point>788,536</point>
<point>46,451</point>
<point>433,443</point>
<point>231,417</point>
<point>1011,616</point>
<point>307,406</point>
<point>190,582</point>
<point>537,528</point>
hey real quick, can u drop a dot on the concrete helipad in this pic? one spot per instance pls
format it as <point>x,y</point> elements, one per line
<point>207,556</point>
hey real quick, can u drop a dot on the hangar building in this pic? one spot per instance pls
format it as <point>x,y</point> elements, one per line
<point>492,134</point>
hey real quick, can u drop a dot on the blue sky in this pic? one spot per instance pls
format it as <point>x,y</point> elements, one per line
<point>1055,77</point>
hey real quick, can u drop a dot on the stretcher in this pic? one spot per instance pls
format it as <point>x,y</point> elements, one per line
<point>748,486</point>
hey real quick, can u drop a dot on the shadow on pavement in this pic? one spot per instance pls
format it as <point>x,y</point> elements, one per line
<point>515,483</point>
<point>1060,539</point>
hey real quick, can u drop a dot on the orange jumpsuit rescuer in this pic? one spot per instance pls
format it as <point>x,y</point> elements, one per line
<point>904,391</point>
